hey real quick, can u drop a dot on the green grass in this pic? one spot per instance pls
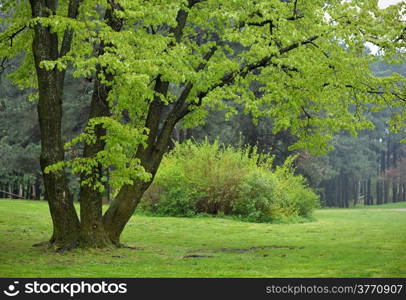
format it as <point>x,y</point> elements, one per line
<point>339,243</point>
<point>387,205</point>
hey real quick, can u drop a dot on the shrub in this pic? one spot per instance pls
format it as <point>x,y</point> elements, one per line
<point>293,193</point>
<point>256,196</point>
<point>169,194</point>
<point>197,178</point>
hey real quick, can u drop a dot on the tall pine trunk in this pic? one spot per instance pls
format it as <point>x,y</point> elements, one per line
<point>369,193</point>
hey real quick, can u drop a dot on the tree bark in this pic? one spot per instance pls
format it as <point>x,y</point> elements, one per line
<point>92,233</point>
<point>386,191</point>
<point>368,193</point>
<point>33,192</point>
<point>338,191</point>
<point>122,207</point>
<point>20,191</point>
<point>50,88</point>
<point>404,192</point>
<point>357,190</point>
<point>347,191</point>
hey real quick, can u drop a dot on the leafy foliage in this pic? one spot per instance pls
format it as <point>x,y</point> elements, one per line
<point>211,178</point>
<point>307,59</point>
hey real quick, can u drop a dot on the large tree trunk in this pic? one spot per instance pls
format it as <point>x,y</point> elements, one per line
<point>122,207</point>
<point>50,88</point>
<point>94,230</point>
<point>92,233</point>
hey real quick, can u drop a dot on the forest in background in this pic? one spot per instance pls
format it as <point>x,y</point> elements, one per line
<point>367,169</point>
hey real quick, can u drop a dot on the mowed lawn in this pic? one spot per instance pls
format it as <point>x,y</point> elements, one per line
<point>339,243</point>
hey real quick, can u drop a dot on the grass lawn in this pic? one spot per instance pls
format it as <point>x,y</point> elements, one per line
<point>339,243</point>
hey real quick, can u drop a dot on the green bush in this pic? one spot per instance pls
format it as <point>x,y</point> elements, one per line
<point>256,197</point>
<point>198,178</point>
<point>294,197</point>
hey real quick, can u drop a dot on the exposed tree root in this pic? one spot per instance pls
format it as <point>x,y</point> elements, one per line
<point>129,247</point>
<point>42,244</point>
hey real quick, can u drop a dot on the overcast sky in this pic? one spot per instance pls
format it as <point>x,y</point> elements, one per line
<point>386,3</point>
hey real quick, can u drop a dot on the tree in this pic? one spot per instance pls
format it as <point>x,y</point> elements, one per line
<point>155,63</point>
<point>397,175</point>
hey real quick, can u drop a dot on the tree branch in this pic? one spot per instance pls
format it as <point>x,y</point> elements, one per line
<point>375,92</point>
<point>322,51</point>
<point>3,65</point>
<point>180,109</point>
<point>13,35</point>
<point>229,78</point>
<point>73,12</point>
<point>155,110</point>
<point>161,87</point>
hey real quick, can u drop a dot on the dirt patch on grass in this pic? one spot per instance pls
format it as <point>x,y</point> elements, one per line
<point>250,249</point>
<point>197,256</point>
